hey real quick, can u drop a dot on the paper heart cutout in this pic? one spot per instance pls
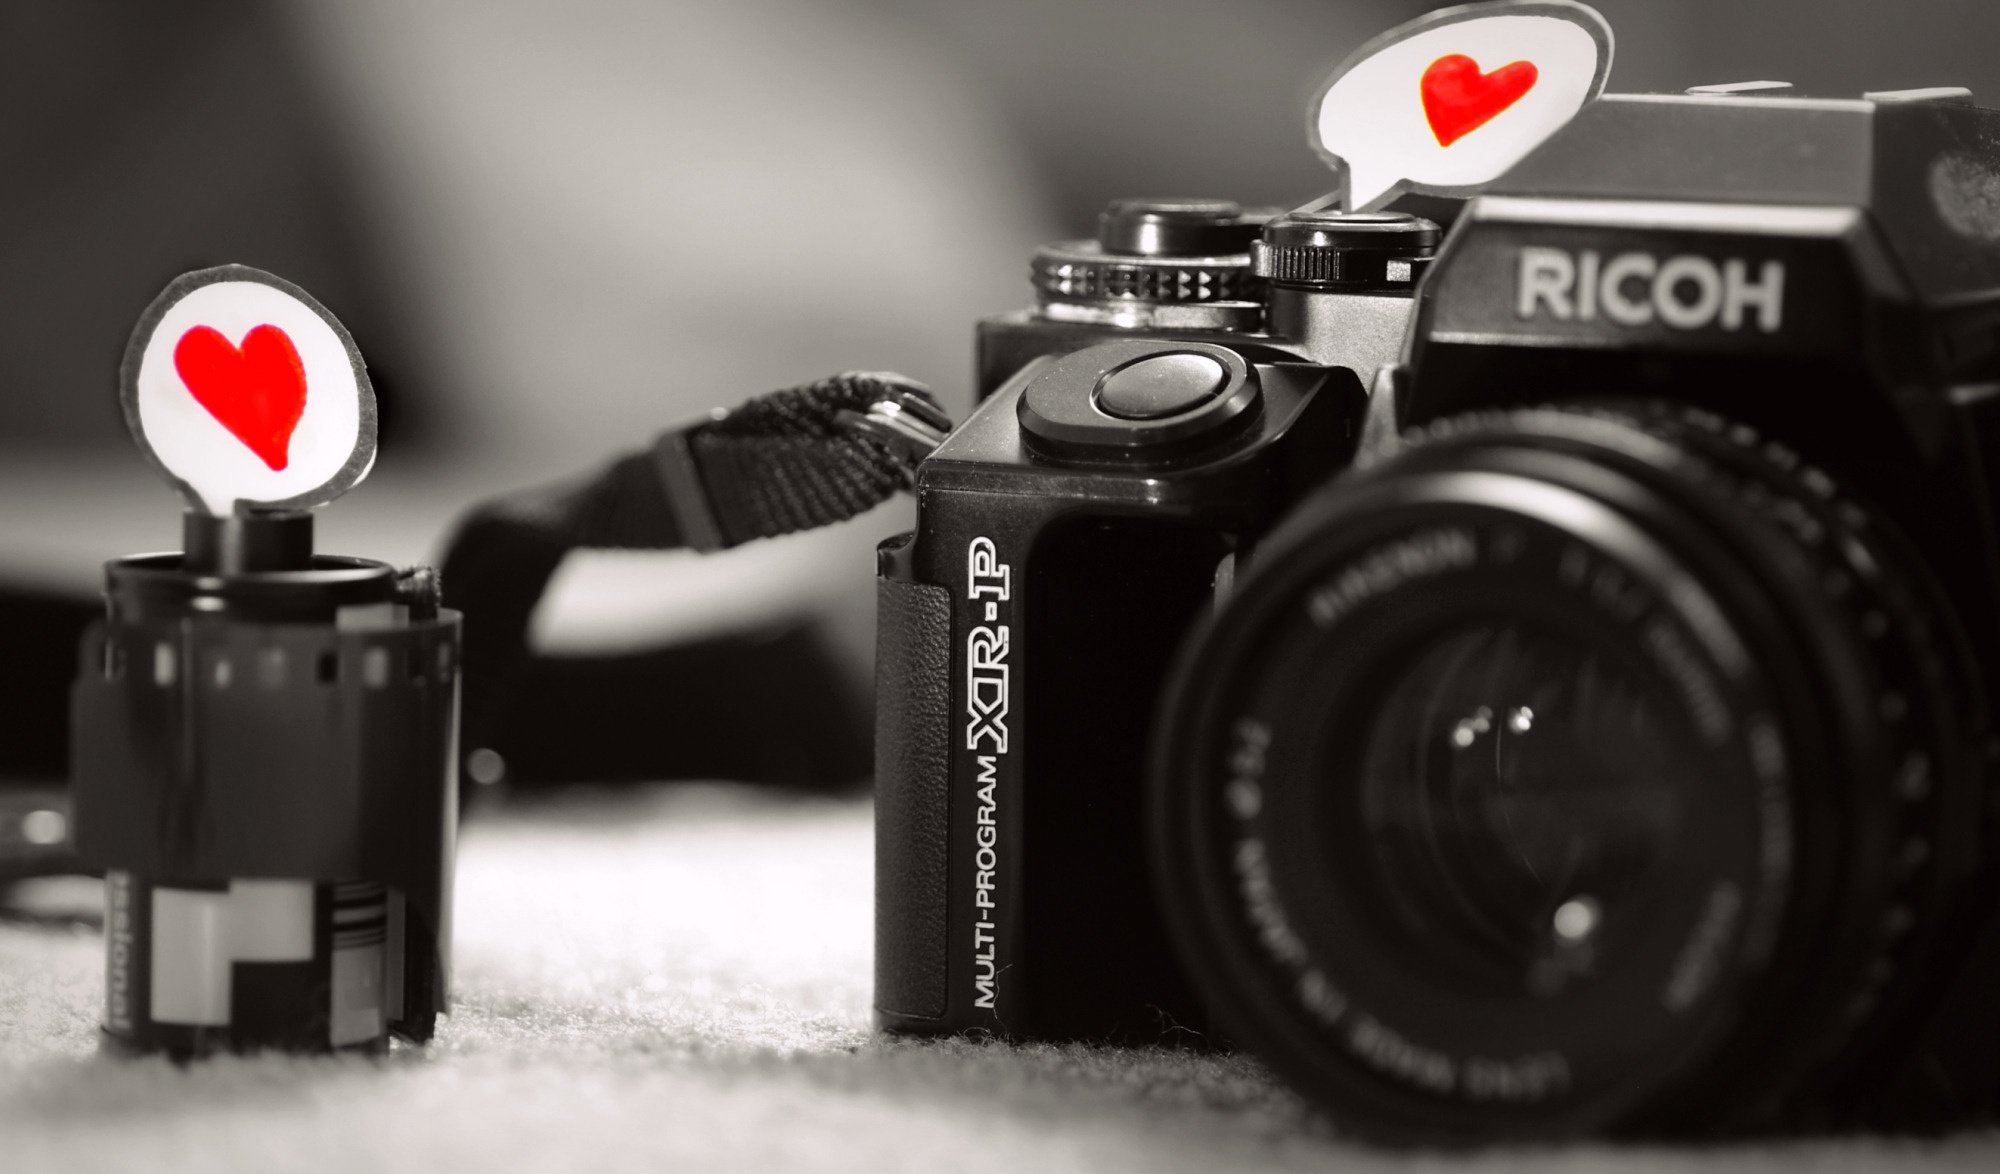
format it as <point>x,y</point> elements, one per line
<point>257,392</point>
<point>1458,99</point>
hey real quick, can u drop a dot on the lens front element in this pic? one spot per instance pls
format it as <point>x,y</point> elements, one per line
<point>1517,789</point>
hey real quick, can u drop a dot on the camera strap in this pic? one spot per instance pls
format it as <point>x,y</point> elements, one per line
<point>791,460</point>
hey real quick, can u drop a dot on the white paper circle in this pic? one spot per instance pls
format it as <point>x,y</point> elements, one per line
<point>1370,115</point>
<point>330,448</point>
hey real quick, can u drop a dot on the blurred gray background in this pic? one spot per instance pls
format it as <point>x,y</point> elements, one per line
<point>556,228</point>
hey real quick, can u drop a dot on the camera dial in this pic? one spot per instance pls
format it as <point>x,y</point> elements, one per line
<point>1177,228</point>
<point>1168,264</point>
<point>1339,284</point>
<point>1335,250</point>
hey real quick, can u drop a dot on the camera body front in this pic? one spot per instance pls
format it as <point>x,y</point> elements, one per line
<point>1026,625</point>
<point>1136,431</point>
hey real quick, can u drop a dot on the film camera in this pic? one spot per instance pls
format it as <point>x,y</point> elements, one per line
<point>1556,649</point>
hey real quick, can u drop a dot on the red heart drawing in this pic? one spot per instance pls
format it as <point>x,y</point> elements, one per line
<point>1458,99</point>
<point>258,392</point>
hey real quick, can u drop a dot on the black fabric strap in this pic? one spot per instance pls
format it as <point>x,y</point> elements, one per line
<point>800,459</point>
<point>792,460</point>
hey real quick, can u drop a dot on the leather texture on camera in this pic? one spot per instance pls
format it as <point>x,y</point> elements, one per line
<point>912,798</point>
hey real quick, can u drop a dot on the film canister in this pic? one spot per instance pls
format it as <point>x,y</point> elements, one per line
<point>264,739</point>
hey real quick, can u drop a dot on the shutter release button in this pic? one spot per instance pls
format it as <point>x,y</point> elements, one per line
<point>1160,386</point>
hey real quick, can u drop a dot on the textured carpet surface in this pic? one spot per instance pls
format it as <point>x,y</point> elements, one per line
<point>679,981</point>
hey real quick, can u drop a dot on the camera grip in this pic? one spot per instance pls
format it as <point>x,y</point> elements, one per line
<point>912,795</point>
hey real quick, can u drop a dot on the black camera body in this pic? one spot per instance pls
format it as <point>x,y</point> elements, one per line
<point>1025,628</point>
<point>1135,436</point>
<point>1586,733</point>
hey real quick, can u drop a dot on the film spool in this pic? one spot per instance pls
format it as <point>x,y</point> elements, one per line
<point>265,769</point>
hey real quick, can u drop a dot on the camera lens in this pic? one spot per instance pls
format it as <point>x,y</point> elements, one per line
<point>1557,776</point>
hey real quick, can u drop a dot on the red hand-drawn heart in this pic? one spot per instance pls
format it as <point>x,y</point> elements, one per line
<point>257,392</point>
<point>1458,99</point>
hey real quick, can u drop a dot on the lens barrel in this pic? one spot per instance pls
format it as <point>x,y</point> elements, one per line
<point>1574,771</point>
